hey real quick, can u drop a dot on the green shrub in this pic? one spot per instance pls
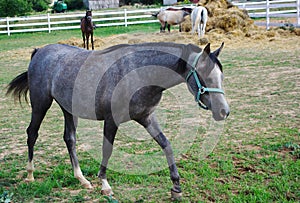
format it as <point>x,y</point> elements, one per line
<point>13,8</point>
<point>40,5</point>
<point>145,2</point>
<point>74,4</point>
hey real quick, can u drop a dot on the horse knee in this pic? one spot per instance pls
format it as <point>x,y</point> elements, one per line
<point>69,138</point>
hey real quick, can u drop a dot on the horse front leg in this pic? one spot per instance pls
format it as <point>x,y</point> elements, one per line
<point>83,38</point>
<point>153,128</point>
<point>70,140</point>
<point>110,130</point>
<point>162,26</point>
<point>92,40</point>
<point>169,27</point>
<point>87,41</point>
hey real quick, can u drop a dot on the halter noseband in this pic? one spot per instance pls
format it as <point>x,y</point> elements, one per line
<point>201,89</point>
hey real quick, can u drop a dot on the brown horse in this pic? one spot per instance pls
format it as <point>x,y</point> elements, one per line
<point>87,28</point>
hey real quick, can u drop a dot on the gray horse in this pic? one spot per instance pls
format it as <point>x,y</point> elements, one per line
<point>118,84</point>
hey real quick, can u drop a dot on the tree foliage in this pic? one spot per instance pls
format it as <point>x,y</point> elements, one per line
<point>22,7</point>
<point>40,5</point>
<point>14,7</point>
<point>74,4</point>
<point>145,2</point>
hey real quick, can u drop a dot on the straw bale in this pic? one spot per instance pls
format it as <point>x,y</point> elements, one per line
<point>203,41</point>
<point>72,41</point>
<point>282,32</point>
<point>186,26</point>
<point>223,15</point>
<point>270,33</point>
<point>296,31</point>
<point>258,37</point>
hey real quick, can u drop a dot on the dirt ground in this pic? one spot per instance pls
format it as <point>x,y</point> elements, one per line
<point>258,37</point>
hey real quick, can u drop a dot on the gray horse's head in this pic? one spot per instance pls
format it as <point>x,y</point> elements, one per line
<point>205,82</point>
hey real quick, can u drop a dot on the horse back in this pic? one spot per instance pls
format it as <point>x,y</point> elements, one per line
<point>53,69</point>
<point>173,17</point>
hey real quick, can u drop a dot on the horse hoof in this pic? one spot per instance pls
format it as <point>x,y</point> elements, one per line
<point>87,186</point>
<point>176,196</point>
<point>29,180</point>
<point>107,192</point>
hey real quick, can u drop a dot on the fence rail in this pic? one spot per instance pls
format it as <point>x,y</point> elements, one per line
<point>50,22</point>
<point>273,9</point>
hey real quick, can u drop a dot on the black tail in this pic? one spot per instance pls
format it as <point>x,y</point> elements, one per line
<point>18,87</point>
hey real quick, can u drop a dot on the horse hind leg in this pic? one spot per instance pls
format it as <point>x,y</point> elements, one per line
<point>70,140</point>
<point>203,28</point>
<point>83,38</point>
<point>169,27</point>
<point>39,110</point>
<point>193,28</point>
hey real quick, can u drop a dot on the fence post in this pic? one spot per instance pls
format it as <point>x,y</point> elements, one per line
<point>49,26</point>
<point>298,12</point>
<point>7,24</point>
<point>267,14</point>
<point>125,17</point>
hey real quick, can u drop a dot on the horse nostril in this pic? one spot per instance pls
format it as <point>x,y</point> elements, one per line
<point>224,113</point>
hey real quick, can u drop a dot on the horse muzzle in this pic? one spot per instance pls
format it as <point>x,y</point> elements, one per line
<point>222,113</point>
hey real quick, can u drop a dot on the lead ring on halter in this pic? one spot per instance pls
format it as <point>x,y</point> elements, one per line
<point>201,88</point>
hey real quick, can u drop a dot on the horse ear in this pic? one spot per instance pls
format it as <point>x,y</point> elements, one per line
<point>217,52</point>
<point>207,49</point>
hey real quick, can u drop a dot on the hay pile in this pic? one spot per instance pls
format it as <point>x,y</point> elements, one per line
<point>225,23</point>
<point>78,42</point>
<point>223,18</point>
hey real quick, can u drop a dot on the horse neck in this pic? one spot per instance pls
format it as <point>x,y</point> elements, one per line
<point>88,24</point>
<point>176,66</point>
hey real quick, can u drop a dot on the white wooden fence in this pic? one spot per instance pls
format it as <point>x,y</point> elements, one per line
<point>273,9</point>
<point>52,22</point>
<point>266,9</point>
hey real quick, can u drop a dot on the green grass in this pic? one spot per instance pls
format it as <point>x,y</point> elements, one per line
<point>256,159</point>
<point>26,40</point>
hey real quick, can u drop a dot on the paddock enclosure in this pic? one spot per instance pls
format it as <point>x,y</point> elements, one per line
<point>253,157</point>
<point>257,153</point>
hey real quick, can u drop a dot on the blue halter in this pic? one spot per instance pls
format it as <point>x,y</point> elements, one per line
<point>201,89</point>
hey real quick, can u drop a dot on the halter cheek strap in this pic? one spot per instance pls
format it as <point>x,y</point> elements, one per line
<point>201,89</point>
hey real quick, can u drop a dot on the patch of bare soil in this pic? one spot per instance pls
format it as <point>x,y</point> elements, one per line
<point>233,39</point>
<point>226,23</point>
